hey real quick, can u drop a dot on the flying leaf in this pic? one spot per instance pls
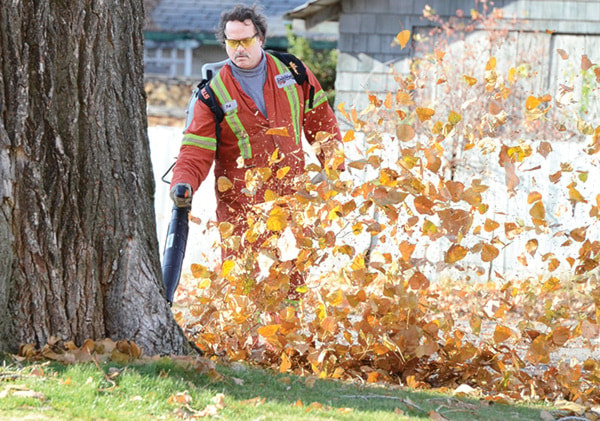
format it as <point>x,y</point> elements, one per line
<point>227,267</point>
<point>199,271</point>
<point>574,194</point>
<point>562,53</point>
<point>348,136</point>
<point>489,252</point>
<point>455,253</point>
<point>585,63</point>
<point>278,131</point>
<point>531,246</point>
<point>405,132</point>
<point>277,220</point>
<point>544,149</point>
<point>490,225</point>
<point>406,249</point>
<point>532,102</point>
<point>403,37</point>
<point>512,72</point>
<point>424,114</point>
<point>560,335</point>
<point>269,330</point>
<point>501,334</point>
<point>491,64</point>
<point>224,184</point>
<point>454,118</point>
<point>388,101</point>
<point>423,205</point>
<point>282,172</point>
<point>470,80</point>
<point>418,281</point>
<point>538,211</point>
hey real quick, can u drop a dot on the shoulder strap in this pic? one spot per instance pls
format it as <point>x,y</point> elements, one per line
<point>298,70</point>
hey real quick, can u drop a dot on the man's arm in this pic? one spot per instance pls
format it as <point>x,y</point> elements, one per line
<point>198,149</point>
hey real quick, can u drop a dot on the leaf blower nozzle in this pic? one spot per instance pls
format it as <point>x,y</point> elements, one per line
<point>175,245</point>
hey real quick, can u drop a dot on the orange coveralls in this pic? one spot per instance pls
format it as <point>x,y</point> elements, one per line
<point>244,134</point>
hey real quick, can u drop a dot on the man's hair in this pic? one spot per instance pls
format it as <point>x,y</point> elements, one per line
<point>240,13</point>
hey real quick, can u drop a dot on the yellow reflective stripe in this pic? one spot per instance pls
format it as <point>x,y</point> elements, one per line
<point>200,141</point>
<point>232,118</point>
<point>292,95</point>
<point>320,97</point>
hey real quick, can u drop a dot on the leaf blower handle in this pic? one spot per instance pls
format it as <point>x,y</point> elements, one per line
<point>177,234</point>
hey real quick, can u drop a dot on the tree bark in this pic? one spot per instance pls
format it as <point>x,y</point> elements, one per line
<point>79,255</point>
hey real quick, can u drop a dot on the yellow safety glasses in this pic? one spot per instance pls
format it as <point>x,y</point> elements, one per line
<point>246,42</point>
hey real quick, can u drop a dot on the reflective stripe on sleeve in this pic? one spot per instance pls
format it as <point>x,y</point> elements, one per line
<point>320,97</point>
<point>209,143</point>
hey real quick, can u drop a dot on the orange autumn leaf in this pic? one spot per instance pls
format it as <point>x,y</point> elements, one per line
<point>282,172</point>
<point>501,334</point>
<point>491,64</point>
<point>489,252</point>
<point>269,330</point>
<point>470,80</point>
<point>455,253</point>
<point>418,281</point>
<point>560,335</point>
<point>531,246</point>
<point>348,136</point>
<point>388,101</point>
<point>538,211</point>
<point>512,78</point>
<point>424,114</point>
<point>224,184</point>
<point>423,205</point>
<point>574,194</point>
<point>562,53</point>
<point>278,131</point>
<point>286,364</point>
<point>585,63</point>
<point>403,37</point>
<point>405,132</point>
<point>277,220</point>
<point>532,102</point>
<point>406,249</point>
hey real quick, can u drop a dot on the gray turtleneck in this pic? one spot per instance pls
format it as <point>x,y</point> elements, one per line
<point>253,81</point>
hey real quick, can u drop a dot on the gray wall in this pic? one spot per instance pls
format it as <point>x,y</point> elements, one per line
<point>368,58</point>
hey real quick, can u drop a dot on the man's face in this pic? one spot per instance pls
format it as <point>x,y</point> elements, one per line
<point>242,44</point>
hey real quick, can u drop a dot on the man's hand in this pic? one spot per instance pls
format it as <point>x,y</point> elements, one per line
<point>181,194</point>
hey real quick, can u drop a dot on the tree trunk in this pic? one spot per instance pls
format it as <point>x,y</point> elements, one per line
<point>78,251</point>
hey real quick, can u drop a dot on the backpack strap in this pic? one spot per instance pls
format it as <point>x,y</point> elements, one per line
<point>298,70</point>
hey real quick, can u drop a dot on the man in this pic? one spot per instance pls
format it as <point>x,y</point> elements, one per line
<point>266,113</point>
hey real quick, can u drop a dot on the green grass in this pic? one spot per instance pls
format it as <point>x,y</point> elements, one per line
<point>142,391</point>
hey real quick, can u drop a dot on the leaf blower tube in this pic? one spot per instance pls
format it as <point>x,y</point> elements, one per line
<point>175,246</point>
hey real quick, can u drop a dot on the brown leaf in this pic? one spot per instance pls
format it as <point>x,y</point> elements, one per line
<point>224,184</point>
<point>489,252</point>
<point>455,253</point>
<point>562,53</point>
<point>405,132</point>
<point>423,205</point>
<point>502,333</point>
<point>585,62</point>
<point>424,114</point>
<point>531,246</point>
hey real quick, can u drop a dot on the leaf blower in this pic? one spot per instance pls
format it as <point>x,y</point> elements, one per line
<point>175,245</point>
<point>178,226</point>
